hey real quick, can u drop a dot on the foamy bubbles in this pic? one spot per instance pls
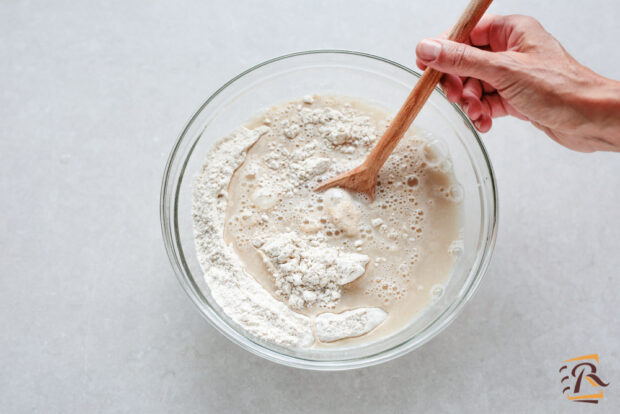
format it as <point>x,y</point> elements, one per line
<point>444,166</point>
<point>453,193</point>
<point>456,248</point>
<point>434,152</point>
<point>413,181</point>
<point>264,199</point>
<point>387,289</point>
<point>437,291</point>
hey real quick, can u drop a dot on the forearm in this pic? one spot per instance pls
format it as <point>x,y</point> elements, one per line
<point>601,107</point>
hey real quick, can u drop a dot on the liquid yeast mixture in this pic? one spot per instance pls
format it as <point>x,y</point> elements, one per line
<point>336,251</point>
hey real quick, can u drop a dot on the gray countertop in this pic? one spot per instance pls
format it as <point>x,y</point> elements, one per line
<point>93,95</point>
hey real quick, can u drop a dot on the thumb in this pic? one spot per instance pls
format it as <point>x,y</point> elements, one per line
<point>459,59</point>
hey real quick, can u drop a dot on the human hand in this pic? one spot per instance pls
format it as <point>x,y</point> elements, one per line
<point>512,66</point>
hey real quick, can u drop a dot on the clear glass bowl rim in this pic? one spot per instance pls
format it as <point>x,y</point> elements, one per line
<point>170,231</point>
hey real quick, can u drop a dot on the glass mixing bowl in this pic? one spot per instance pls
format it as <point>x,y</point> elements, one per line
<point>352,74</point>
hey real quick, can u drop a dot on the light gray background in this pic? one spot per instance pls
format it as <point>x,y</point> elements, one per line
<point>93,95</point>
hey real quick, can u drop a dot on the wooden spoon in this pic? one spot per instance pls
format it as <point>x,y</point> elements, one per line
<point>364,177</point>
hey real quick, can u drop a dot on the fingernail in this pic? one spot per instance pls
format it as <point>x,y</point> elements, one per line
<point>429,49</point>
<point>466,109</point>
<point>477,125</point>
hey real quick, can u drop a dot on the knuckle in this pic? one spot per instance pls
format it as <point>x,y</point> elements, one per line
<point>458,55</point>
<point>504,64</point>
<point>497,25</point>
<point>506,68</point>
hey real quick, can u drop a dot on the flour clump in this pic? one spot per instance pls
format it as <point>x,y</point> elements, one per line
<point>306,275</point>
<point>332,326</point>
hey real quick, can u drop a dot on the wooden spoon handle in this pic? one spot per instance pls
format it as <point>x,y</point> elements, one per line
<point>422,89</point>
<point>468,20</point>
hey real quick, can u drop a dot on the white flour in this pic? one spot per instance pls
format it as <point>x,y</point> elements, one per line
<point>241,297</point>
